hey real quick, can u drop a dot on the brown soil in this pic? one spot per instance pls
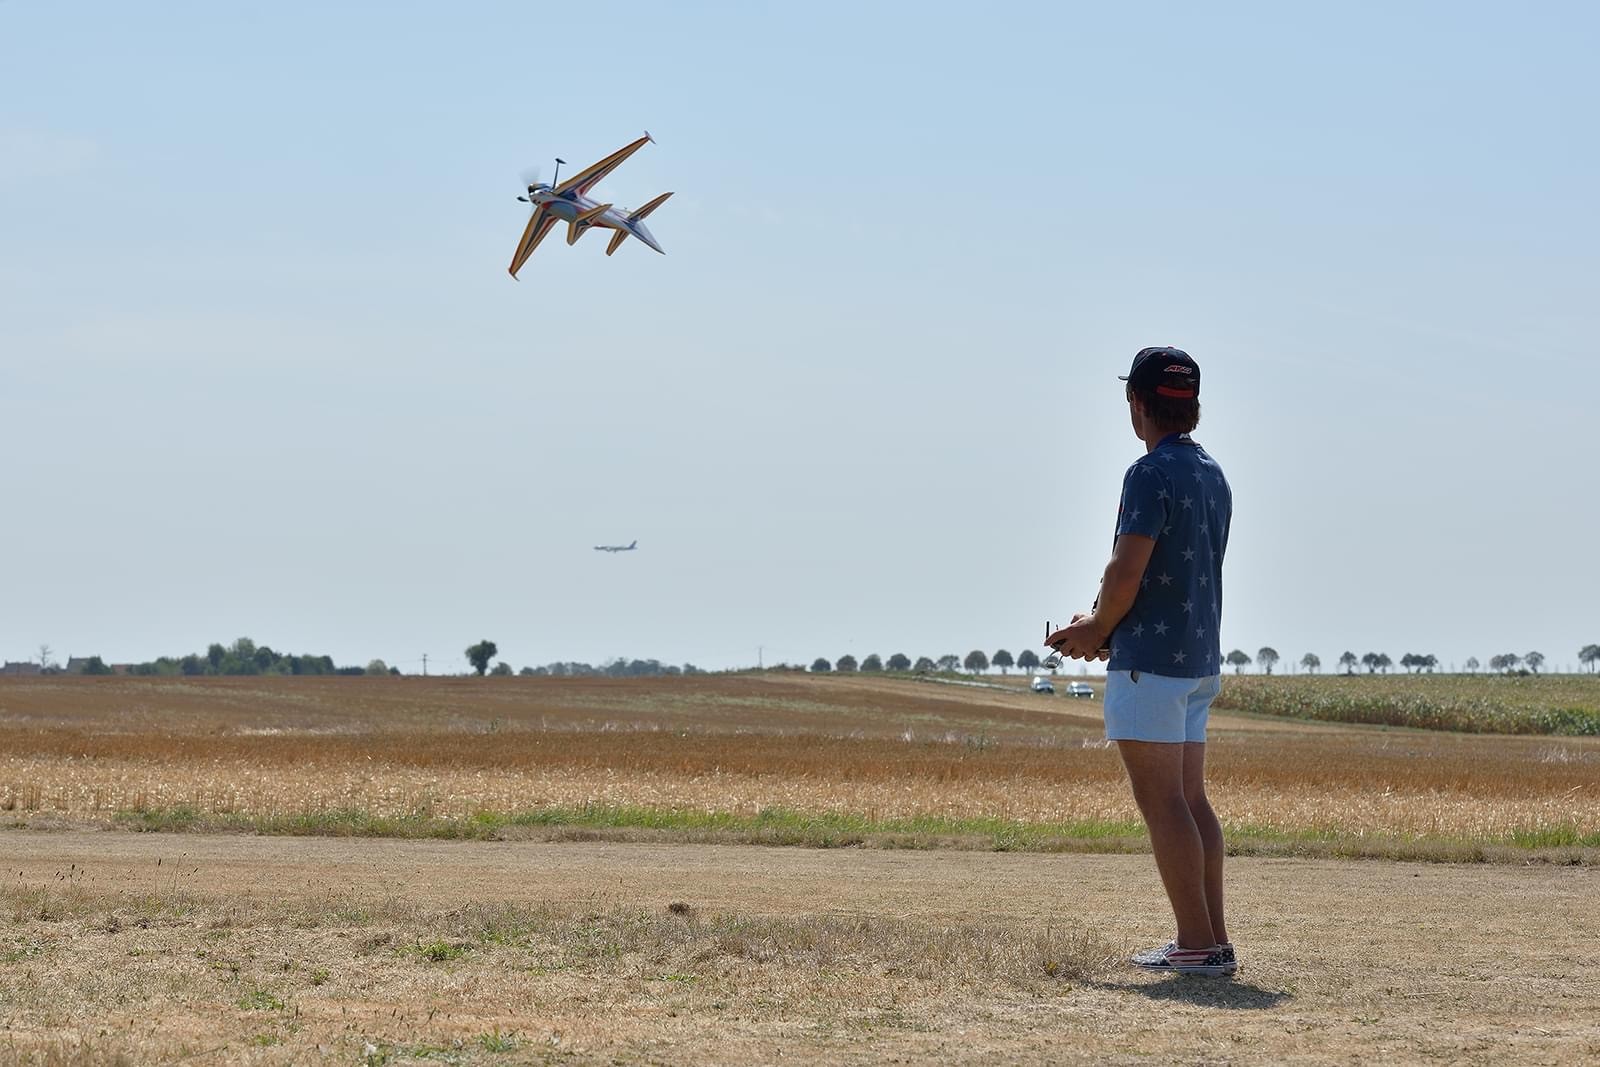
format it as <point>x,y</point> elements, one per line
<point>118,947</point>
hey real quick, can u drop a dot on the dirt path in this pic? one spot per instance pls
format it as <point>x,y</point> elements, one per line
<point>1343,960</point>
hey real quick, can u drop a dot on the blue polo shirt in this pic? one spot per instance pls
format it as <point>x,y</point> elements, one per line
<point>1176,494</point>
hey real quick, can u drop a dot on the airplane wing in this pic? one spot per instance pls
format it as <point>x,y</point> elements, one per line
<point>539,224</point>
<point>585,180</point>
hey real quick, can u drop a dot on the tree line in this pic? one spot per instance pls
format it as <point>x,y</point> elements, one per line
<point>480,654</point>
<point>242,657</point>
<point>1379,662</point>
<point>974,662</point>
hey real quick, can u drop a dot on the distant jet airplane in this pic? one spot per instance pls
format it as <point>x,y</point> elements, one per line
<point>570,202</point>
<point>617,548</point>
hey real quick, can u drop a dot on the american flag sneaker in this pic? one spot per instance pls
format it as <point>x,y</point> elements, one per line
<point>1211,961</point>
<point>1230,960</point>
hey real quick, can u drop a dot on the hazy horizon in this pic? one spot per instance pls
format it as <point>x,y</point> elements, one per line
<point>264,373</point>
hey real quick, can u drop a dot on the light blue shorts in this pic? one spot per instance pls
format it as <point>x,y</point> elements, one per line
<point>1157,708</point>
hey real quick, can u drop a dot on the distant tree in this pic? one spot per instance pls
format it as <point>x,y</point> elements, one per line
<point>1267,657</point>
<point>1589,655</point>
<point>899,662</point>
<point>480,654</point>
<point>1472,665</point>
<point>1238,659</point>
<point>1369,660</point>
<point>1311,662</point>
<point>96,665</point>
<point>377,666</point>
<point>1027,660</point>
<point>1534,660</point>
<point>502,670</point>
<point>976,661</point>
<point>845,663</point>
<point>1384,662</point>
<point>1510,661</point>
<point>924,665</point>
<point>821,666</point>
<point>1003,660</point>
<point>215,654</point>
<point>949,661</point>
<point>529,672</point>
<point>1428,662</point>
<point>872,663</point>
<point>690,668</point>
<point>1348,661</point>
<point>1408,661</point>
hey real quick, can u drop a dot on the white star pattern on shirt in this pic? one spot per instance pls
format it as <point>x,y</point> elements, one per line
<point>1138,631</point>
<point>1204,527</point>
<point>1199,476</point>
<point>1187,501</point>
<point>1204,578</point>
<point>1199,631</point>
<point>1134,516</point>
<point>1177,657</point>
<point>1144,583</point>
<point>1164,578</point>
<point>1188,555</point>
<point>1166,529</point>
<point>1161,629</point>
<point>1188,606</point>
<point>1161,494</point>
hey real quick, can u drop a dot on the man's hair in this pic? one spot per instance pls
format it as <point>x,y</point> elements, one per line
<point>1169,413</point>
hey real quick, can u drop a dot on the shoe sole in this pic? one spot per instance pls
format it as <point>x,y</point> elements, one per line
<point>1213,971</point>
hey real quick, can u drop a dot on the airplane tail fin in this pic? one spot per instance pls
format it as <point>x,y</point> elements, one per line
<point>651,206</point>
<point>616,239</point>
<point>634,543</point>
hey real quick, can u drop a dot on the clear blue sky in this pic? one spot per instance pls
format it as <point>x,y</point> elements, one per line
<point>262,371</point>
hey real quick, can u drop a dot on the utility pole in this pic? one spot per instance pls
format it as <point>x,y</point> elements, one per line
<point>424,664</point>
<point>760,666</point>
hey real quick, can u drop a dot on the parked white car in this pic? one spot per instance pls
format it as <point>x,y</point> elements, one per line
<point>1041,684</point>
<point>1080,689</point>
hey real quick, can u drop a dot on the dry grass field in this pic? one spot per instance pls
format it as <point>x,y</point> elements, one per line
<point>140,948</point>
<point>775,757</point>
<point>595,905</point>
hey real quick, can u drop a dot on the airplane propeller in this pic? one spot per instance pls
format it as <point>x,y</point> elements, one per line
<point>530,178</point>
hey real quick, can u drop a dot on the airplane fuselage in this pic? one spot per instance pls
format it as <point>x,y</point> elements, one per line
<point>568,206</point>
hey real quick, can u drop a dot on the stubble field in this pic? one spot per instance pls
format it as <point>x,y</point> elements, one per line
<point>778,757</point>
<point>592,897</point>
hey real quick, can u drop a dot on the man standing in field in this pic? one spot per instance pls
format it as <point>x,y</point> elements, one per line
<point>1157,619</point>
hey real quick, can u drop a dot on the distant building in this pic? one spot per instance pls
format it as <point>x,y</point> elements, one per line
<point>19,668</point>
<point>76,664</point>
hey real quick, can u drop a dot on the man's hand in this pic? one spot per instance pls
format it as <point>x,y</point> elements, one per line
<point>1084,638</point>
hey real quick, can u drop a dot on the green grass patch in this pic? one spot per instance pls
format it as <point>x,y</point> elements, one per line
<point>786,827</point>
<point>1563,705</point>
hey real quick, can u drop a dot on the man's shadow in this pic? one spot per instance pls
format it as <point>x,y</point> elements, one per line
<point>1204,992</point>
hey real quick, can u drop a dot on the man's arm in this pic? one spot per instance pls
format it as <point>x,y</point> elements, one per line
<point>1088,634</point>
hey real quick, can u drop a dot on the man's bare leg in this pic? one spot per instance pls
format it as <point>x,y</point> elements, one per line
<point>1156,771</point>
<point>1205,821</point>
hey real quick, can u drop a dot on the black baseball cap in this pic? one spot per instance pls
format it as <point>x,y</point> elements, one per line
<point>1165,372</point>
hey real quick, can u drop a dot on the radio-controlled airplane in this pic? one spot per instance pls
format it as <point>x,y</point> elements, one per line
<point>569,202</point>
